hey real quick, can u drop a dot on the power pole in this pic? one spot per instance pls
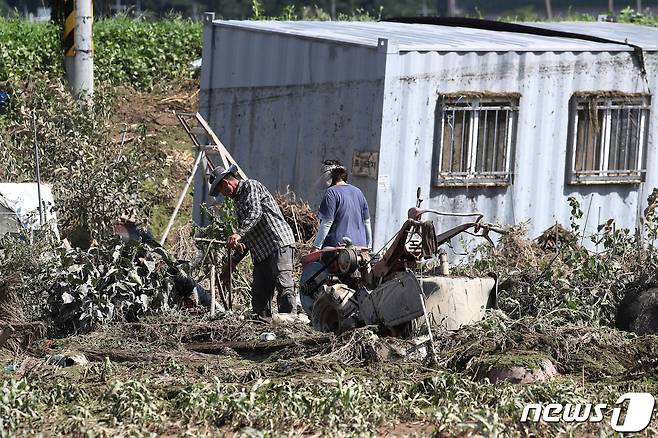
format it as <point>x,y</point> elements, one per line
<point>611,7</point>
<point>549,9</point>
<point>78,47</point>
<point>452,8</point>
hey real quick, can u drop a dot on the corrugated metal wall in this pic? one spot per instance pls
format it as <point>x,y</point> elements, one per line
<point>282,104</point>
<point>546,82</point>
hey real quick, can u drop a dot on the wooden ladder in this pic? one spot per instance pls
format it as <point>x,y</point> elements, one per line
<point>194,124</point>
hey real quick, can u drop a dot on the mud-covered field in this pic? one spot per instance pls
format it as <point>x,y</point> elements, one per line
<point>164,370</point>
<point>182,373</point>
<point>137,364</point>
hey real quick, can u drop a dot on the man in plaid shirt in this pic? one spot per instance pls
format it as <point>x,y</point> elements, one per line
<point>265,233</point>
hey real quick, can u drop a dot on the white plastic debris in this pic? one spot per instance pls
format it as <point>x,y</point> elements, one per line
<point>289,318</point>
<point>64,361</point>
<point>267,336</point>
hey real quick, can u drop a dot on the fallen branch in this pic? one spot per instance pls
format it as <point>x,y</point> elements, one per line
<point>5,335</point>
<point>259,346</point>
<point>133,356</point>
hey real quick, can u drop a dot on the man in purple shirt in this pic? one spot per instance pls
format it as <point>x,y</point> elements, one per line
<point>343,213</point>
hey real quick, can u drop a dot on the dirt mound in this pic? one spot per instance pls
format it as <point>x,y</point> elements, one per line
<point>516,367</point>
<point>593,352</point>
<point>154,110</point>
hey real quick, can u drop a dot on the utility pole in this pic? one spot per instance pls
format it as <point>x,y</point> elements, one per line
<point>332,9</point>
<point>611,7</point>
<point>78,47</point>
<point>452,8</point>
<point>549,9</point>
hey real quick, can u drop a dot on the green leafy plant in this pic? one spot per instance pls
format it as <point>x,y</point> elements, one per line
<point>95,178</point>
<point>114,281</point>
<point>132,52</point>
<point>17,404</point>
<point>132,401</point>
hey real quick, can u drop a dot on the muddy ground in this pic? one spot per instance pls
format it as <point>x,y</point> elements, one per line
<point>183,373</point>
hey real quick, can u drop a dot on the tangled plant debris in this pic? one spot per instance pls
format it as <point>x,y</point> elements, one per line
<point>300,216</point>
<point>158,369</point>
<point>560,278</point>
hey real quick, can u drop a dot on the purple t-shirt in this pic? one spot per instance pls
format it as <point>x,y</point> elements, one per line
<point>348,208</point>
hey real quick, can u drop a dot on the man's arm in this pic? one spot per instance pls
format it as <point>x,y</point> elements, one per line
<point>366,223</point>
<point>323,231</point>
<point>326,216</point>
<point>252,205</point>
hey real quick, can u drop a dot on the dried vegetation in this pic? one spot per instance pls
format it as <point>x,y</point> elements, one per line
<point>158,369</point>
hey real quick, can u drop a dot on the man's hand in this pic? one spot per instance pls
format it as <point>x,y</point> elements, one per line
<point>233,240</point>
<point>315,249</point>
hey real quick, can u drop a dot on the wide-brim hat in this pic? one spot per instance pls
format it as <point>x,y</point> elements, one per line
<point>324,180</point>
<point>217,175</point>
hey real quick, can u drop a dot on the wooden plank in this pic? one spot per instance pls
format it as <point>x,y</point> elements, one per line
<point>136,356</point>
<point>225,154</point>
<point>259,346</point>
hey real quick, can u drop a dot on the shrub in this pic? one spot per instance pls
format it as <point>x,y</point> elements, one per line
<point>95,179</point>
<point>130,52</point>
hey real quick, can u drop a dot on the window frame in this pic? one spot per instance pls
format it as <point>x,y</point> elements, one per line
<point>472,108</point>
<point>602,176</point>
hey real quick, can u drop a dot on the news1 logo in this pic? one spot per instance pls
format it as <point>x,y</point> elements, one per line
<point>638,407</point>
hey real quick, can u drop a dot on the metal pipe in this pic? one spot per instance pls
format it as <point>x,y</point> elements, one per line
<point>229,259</point>
<point>38,170</point>
<point>212,291</point>
<point>591,197</point>
<point>446,213</point>
<point>432,350</point>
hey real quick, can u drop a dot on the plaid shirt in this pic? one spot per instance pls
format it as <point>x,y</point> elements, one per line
<point>262,226</point>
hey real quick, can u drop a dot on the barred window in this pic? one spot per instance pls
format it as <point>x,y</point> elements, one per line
<point>609,138</point>
<point>476,139</point>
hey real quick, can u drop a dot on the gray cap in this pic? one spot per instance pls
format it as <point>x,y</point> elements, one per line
<point>217,175</point>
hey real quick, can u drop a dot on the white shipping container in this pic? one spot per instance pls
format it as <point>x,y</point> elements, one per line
<point>480,120</point>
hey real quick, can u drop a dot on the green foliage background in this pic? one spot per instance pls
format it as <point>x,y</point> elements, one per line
<point>142,53</point>
<point>131,52</point>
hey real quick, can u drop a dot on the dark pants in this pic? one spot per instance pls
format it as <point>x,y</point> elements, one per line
<point>274,273</point>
